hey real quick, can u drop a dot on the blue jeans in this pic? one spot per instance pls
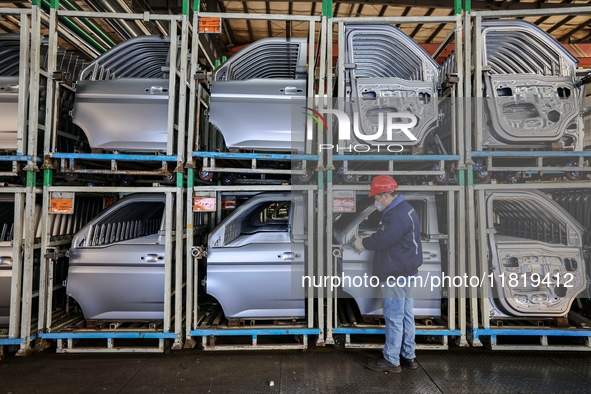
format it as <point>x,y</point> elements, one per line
<point>400,322</point>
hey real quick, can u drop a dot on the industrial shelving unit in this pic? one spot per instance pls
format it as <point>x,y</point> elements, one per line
<point>572,331</point>
<point>426,172</point>
<point>207,327</point>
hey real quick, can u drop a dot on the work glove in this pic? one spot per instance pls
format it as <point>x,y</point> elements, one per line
<point>358,244</point>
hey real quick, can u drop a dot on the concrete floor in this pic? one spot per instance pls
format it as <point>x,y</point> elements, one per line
<point>322,370</point>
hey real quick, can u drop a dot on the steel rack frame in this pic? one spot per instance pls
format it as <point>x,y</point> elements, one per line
<point>516,334</point>
<point>199,326</point>
<point>250,162</point>
<point>66,329</point>
<point>438,163</point>
<point>30,41</point>
<point>119,164</point>
<point>451,325</point>
<point>578,161</point>
<point>16,334</point>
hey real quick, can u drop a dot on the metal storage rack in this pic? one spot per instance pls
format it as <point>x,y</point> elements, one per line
<point>574,163</point>
<point>208,327</point>
<point>536,333</point>
<point>197,325</point>
<point>524,334</point>
<point>454,322</point>
<point>250,162</point>
<point>18,332</point>
<point>59,325</point>
<point>165,165</point>
<point>68,330</point>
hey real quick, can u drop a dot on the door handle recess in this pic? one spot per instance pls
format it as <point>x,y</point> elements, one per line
<point>152,258</point>
<point>291,90</point>
<point>427,256</point>
<point>289,256</point>
<point>12,88</point>
<point>157,90</point>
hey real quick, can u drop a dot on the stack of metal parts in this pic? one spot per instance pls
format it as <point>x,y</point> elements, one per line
<point>67,64</point>
<point>139,57</point>
<point>531,100</point>
<point>269,58</point>
<point>388,72</point>
<point>132,81</point>
<point>536,246</point>
<point>264,87</point>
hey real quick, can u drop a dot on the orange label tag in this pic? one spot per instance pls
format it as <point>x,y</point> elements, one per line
<point>204,204</point>
<point>210,25</point>
<point>61,206</point>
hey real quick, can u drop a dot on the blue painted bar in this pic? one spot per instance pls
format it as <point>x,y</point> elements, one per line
<point>106,335</point>
<point>15,341</point>
<point>531,154</point>
<point>259,156</point>
<point>112,156</point>
<point>551,332</point>
<point>15,158</point>
<point>396,157</point>
<point>378,331</point>
<point>269,331</point>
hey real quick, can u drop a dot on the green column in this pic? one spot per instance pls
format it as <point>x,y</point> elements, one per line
<point>196,5</point>
<point>179,180</point>
<point>190,179</point>
<point>458,6</point>
<point>31,178</point>
<point>47,177</point>
<point>327,8</point>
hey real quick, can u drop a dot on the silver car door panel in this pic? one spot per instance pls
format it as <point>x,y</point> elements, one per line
<point>533,239</point>
<point>123,114</point>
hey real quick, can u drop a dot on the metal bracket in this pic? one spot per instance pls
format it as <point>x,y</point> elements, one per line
<point>199,252</point>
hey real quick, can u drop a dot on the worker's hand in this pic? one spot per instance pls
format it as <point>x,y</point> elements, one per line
<point>358,244</point>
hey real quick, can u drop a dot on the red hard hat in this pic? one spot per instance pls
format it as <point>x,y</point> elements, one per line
<point>382,184</point>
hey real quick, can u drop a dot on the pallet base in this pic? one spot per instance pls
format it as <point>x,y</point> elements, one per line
<point>80,345</point>
<point>77,335</point>
<point>218,333</point>
<point>573,334</point>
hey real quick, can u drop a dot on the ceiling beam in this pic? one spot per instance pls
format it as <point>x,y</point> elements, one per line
<point>478,5</point>
<point>269,28</point>
<point>226,24</point>
<point>416,30</point>
<point>250,35</point>
<point>383,10</point>
<point>359,10</point>
<point>438,30</point>
<point>561,23</point>
<point>405,13</point>
<point>576,30</point>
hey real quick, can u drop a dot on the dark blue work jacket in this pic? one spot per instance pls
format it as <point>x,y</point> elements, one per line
<point>397,242</point>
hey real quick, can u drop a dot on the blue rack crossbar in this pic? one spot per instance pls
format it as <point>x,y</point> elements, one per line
<point>259,156</point>
<point>395,157</point>
<point>113,156</point>
<point>15,158</point>
<point>261,331</point>
<point>15,341</point>
<point>378,331</point>
<point>107,335</point>
<point>531,154</point>
<point>550,332</point>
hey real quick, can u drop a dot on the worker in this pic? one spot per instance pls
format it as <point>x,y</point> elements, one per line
<point>397,256</point>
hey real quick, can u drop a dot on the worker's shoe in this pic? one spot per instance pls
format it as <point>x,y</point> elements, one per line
<point>408,363</point>
<point>383,365</point>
